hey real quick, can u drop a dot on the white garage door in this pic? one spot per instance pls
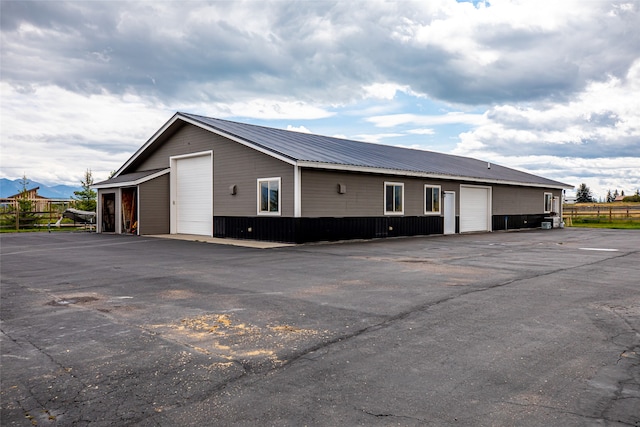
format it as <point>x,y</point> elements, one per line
<point>474,209</point>
<point>194,195</point>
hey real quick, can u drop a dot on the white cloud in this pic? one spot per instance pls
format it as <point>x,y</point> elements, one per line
<point>385,90</point>
<point>392,120</point>
<point>601,119</point>
<point>592,138</point>
<point>269,109</point>
<point>600,174</point>
<point>376,137</point>
<point>67,132</point>
<point>422,131</point>
<point>298,129</point>
<point>53,134</point>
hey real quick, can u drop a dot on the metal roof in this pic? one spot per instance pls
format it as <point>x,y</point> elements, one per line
<point>330,152</point>
<point>133,178</point>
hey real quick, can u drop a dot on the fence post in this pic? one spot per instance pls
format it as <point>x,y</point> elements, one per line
<point>609,214</point>
<point>17,216</point>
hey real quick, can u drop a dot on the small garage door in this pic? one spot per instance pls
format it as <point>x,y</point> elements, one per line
<point>194,195</point>
<point>475,210</point>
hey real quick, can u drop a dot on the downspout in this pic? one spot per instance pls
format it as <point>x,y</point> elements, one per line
<point>562,208</point>
<point>138,209</point>
<point>297,192</point>
<point>98,211</point>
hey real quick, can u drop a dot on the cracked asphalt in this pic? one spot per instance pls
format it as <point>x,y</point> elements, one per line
<point>534,328</point>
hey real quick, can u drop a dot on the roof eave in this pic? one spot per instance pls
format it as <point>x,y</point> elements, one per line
<point>399,172</point>
<point>130,183</point>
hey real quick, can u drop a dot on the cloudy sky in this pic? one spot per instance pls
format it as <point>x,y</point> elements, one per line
<point>549,87</point>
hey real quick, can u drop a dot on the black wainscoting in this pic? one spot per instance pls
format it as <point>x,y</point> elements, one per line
<point>514,222</point>
<point>302,230</point>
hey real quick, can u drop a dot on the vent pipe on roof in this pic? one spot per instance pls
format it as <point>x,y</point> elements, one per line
<point>488,165</point>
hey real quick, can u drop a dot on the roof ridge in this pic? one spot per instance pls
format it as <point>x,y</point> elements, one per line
<point>332,152</point>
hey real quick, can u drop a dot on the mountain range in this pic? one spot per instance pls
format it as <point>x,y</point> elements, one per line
<point>11,187</point>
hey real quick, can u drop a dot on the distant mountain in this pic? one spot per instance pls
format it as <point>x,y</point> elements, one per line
<point>9,188</point>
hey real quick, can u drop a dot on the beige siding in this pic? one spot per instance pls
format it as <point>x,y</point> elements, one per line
<point>154,206</point>
<point>519,200</point>
<point>364,193</point>
<point>233,164</point>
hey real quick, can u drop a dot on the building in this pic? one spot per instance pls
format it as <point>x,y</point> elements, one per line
<point>36,202</point>
<point>212,177</point>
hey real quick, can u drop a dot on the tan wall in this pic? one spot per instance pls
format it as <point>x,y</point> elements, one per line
<point>512,200</point>
<point>364,195</point>
<point>154,206</point>
<point>233,164</point>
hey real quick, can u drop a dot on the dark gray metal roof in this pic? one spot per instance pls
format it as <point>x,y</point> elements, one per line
<point>299,146</point>
<point>130,177</point>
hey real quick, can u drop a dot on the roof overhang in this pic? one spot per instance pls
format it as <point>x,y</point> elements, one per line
<point>418,174</point>
<point>132,183</point>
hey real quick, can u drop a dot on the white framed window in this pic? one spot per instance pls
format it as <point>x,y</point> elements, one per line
<point>393,198</point>
<point>269,196</point>
<point>548,198</point>
<point>432,197</point>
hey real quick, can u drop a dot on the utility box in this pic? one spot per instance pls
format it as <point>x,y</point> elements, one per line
<point>546,225</point>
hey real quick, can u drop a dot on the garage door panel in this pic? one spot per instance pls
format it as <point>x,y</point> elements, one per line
<point>474,209</point>
<point>194,192</point>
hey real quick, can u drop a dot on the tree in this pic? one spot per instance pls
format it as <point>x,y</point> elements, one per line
<point>609,196</point>
<point>86,198</point>
<point>24,203</point>
<point>583,194</point>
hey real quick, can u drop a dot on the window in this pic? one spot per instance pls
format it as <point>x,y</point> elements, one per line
<point>393,198</point>
<point>548,197</point>
<point>431,199</point>
<point>269,196</point>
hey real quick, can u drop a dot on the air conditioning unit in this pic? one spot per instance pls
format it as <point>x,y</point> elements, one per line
<point>546,225</point>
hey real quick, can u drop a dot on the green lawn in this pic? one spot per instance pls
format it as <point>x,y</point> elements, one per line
<point>624,224</point>
<point>44,229</point>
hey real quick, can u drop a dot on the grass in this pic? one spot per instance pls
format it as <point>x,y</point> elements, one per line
<point>40,230</point>
<point>594,222</point>
<point>617,215</point>
<point>35,228</point>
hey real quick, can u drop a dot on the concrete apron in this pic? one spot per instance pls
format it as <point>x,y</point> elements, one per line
<point>234,242</point>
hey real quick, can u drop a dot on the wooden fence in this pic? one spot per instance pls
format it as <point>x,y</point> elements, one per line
<point>601,212</point>
<point>38,212</point>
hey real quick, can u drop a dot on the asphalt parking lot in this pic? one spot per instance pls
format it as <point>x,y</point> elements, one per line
<point>532,328</point>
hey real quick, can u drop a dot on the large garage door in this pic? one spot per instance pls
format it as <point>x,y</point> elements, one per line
<point>475,209</point>
<point>194,195</point>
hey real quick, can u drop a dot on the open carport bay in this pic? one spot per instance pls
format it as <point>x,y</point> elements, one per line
<point>522,328</point>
